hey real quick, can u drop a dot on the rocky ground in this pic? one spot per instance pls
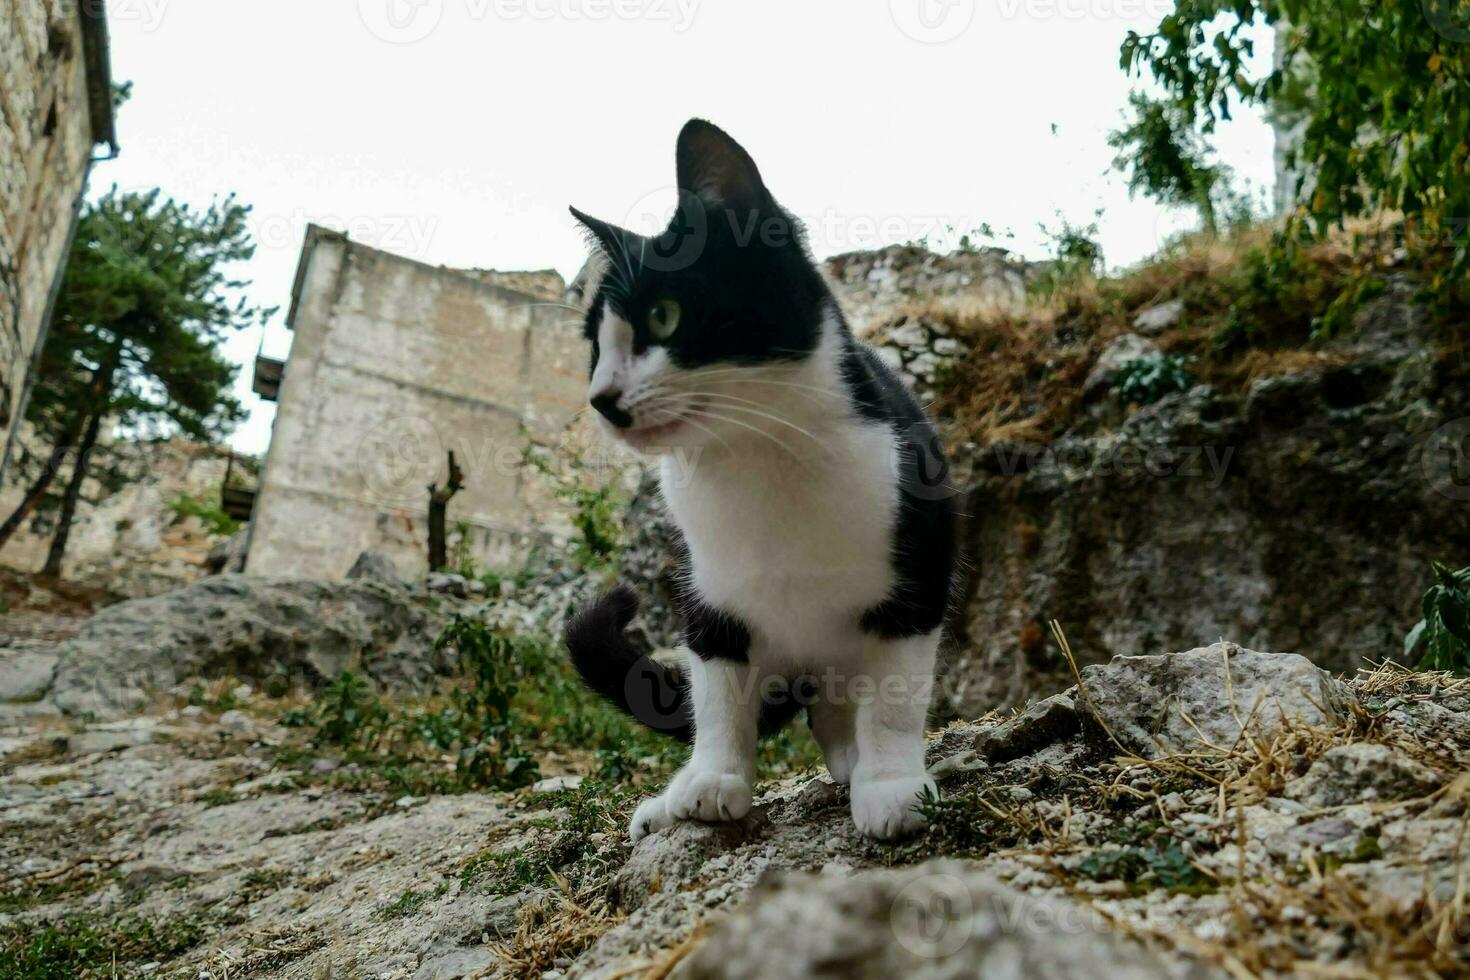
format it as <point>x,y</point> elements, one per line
<point>1218,812</point>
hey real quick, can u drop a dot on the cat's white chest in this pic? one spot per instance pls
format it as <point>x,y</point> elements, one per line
<point>798,549</point>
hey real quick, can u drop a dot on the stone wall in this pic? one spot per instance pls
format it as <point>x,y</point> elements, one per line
<point>131,541</point>
<point>49,120</point>
<point>395,364</point>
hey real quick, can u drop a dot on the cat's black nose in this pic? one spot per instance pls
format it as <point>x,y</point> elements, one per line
<point>607,404</point>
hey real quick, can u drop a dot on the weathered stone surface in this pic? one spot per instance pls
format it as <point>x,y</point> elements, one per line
<point>1157,319</point>
<point>1040,724</point>
<point>942,919</point>
<point>1206,698</point>
<point>1291,518</point>
<point>1362,772</point>
<point>25,672</point>
<point>280,633</point>
<point>375,566</point>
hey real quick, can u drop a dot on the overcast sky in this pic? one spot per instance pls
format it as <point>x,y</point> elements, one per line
<point>457,131</point>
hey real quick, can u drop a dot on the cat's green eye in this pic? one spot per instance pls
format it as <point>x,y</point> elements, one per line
<point>663,318</point>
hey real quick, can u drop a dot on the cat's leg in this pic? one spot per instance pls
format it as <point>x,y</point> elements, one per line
<point>715,784</point>
<point>833,720</point>
<point>890,778</point>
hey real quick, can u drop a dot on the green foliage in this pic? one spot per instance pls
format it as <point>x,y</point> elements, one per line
<point>568,849</point>
<point>1076,256</point>
<point>597,513</point>
<point>1158,863</point>
<point>1378,89</point>
<point>215,521</point>
<point>1441,640</point>
<point>1147,379</point>
<point>74,948</point>
<point>410,902</point>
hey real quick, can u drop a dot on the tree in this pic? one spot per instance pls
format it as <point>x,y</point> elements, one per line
<point>1379,91</point>
<point>145,301</point>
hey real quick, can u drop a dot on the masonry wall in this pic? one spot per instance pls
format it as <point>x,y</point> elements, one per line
<point>45,143</point>
<point>395,363</point>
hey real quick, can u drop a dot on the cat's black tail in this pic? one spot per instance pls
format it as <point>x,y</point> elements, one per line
<point>638,685</point>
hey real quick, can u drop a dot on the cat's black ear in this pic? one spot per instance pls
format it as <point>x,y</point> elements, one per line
<point>717,169</point>
<point>613,241</point>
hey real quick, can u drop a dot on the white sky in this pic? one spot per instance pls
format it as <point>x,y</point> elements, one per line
<point>457,131</point>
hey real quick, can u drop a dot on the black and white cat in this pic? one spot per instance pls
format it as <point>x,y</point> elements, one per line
<point>818,539</point>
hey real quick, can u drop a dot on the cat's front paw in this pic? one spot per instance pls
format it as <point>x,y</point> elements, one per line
<point>886,809</point>
<point>712,797</point>
<point>651,817</point>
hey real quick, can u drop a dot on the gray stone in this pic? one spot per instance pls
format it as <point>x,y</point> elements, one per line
<point>25,673</point>
<point>279,633</point>
<point>374,566</point>
<point>1157,319</point>
<point>1115,357</point>
<point>1362,772</point>
<point>1038,726</point>
<point>1181,702</point>
<point>449,584</point>
<point>467,961</point>
<point>942,919</point>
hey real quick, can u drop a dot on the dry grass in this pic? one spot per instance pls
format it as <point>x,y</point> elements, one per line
<point>1022,374</point>
<point>1318,920</point>
<point>559,926</point>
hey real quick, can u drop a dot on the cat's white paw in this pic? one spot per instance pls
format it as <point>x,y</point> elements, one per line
<point>651,816</point>
<point>712,797</point>
<point>885,809</point>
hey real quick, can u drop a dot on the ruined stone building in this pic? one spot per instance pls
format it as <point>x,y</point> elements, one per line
<point>55,106</point>
<point>394,364</point>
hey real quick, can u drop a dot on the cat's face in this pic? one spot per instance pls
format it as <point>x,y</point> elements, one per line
<point>692,331</point>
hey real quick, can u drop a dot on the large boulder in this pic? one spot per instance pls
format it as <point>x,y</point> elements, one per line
<point>281,633</point>
<point>1297,514</point>
<point>942,919</point>
<point>1208,699</point>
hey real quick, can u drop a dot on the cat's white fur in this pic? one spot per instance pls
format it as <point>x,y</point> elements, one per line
<point>788,515</point>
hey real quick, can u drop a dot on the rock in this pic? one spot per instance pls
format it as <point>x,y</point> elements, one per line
<point>279,633</point>
<point>25,673</point>
<point>1362,772</point>
<point>102,741</point>
<point>449,584</point>
<point>1115,357</point>
<point>236,721</point>
<point>228,556</point>
<point>1182,702</point>
<point>942,919</point>
<point>467,961</point>
<point>674,855</point>
<point>1039,725</point>
<point>1157,319</point>
<point>555,784</point>
<point>374,566</point>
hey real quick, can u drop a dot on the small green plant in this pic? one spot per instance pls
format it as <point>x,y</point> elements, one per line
<point>596,513</point>
<point>1441,640</point>
<point>1149,378</point>
<point>1160,863</point>
<point>215,521</point>
<point>1076,256</point>
<point>349,714</point>
<point>410,902</point>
